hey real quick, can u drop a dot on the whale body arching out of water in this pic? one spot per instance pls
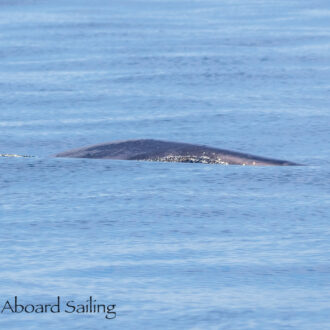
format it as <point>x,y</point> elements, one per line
<point>165,151</point>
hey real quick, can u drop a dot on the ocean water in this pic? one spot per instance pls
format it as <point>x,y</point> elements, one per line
<point>173,246</point>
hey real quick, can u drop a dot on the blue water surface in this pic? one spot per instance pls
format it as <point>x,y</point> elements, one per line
<point>174,246</point>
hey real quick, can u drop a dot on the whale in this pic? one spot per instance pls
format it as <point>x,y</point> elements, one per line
<point>167,151</point>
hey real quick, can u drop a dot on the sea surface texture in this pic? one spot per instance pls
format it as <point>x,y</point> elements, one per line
<point>174,246</point>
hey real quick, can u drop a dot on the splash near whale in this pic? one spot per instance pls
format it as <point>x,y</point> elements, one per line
<point>165,151</point>
<point>15,156</point>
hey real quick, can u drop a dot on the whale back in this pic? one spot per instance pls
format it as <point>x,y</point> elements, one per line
<point>165,151</point>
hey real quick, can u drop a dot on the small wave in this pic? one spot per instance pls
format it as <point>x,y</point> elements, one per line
<point>74,121</point>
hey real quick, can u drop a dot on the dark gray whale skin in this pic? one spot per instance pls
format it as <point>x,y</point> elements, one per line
<point>164,151</point>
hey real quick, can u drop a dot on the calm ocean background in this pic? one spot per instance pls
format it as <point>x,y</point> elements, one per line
<point>174,246</point>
